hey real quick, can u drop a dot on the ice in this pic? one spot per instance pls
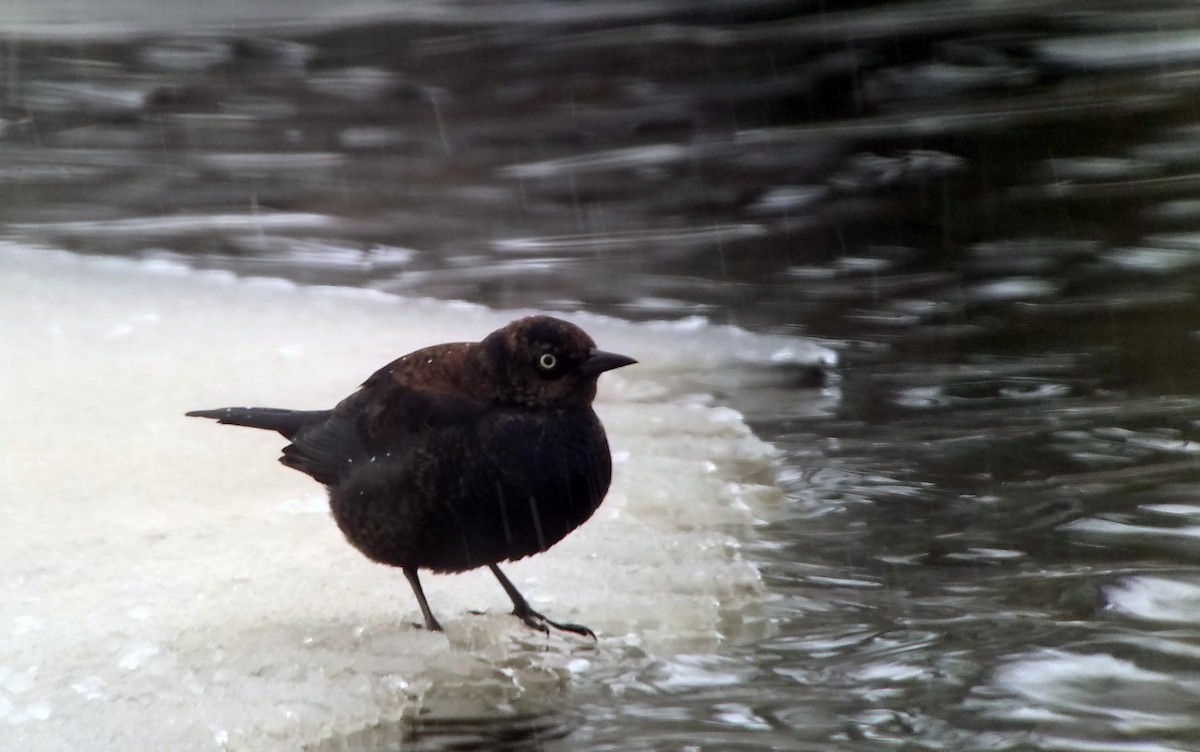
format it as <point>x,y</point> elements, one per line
<point>168,585</point>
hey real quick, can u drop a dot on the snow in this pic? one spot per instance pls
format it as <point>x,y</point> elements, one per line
<point>167,585</point>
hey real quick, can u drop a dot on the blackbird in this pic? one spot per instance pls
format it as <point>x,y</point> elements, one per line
<point>460,455</point>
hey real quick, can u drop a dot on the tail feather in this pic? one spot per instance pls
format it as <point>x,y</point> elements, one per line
<point>287,422</point>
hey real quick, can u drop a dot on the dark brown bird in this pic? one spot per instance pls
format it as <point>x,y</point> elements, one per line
<point>460,455</point>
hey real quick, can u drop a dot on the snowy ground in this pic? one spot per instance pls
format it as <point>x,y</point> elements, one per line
<point>167,585</point>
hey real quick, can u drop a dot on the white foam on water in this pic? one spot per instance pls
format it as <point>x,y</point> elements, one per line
<point>1095,694</point>
<point>1156,599</point>
<point>168,585</point>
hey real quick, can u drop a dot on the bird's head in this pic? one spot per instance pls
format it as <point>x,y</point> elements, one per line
<point>544,362</point>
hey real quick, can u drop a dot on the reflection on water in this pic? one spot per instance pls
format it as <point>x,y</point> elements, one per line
<point>988,207</point>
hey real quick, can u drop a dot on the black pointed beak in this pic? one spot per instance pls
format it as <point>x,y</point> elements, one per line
<point>599,361</point>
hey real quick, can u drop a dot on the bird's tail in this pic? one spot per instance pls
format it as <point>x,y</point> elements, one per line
<point>286,422</point>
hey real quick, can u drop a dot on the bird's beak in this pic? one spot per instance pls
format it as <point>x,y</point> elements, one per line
<point>599,361</point>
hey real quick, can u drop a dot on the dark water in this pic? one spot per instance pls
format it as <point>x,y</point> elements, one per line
<point>991,209</point>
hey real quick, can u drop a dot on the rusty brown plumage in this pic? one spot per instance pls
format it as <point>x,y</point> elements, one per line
<point>460,455</point>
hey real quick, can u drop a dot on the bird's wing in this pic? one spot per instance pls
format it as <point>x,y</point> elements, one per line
<point>324,450</point>
<point>382,415</point>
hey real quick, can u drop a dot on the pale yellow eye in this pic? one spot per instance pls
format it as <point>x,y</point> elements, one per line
<point>547,361</point>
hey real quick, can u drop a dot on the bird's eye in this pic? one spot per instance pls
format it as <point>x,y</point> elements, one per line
<point>547,361</point>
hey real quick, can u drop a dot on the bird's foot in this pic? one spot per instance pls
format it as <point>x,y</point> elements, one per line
<point>430,625</point>
<point>542,624</point>
<point>427,628</point>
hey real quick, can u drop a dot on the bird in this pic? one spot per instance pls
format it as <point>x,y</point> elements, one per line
<point>460,455</point>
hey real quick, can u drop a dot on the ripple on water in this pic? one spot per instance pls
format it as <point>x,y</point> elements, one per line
<point>1169,600</point>
<point>1152,260</point>
<point>1091,695</point>
<point>983,391</point>
<point>1012,289</point>
<point>1122,532</point>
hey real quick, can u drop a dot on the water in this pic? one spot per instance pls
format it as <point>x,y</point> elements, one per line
<point>988,209</point>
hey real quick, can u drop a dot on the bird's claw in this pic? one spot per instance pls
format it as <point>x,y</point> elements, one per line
<point>538,621</point>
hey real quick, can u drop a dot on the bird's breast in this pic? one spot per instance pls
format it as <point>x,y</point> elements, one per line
<point>547,478</point>
<point>512,484</point>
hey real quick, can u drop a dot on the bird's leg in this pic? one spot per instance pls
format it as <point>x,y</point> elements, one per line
<point>430,623</point>
<point>525,613</point>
